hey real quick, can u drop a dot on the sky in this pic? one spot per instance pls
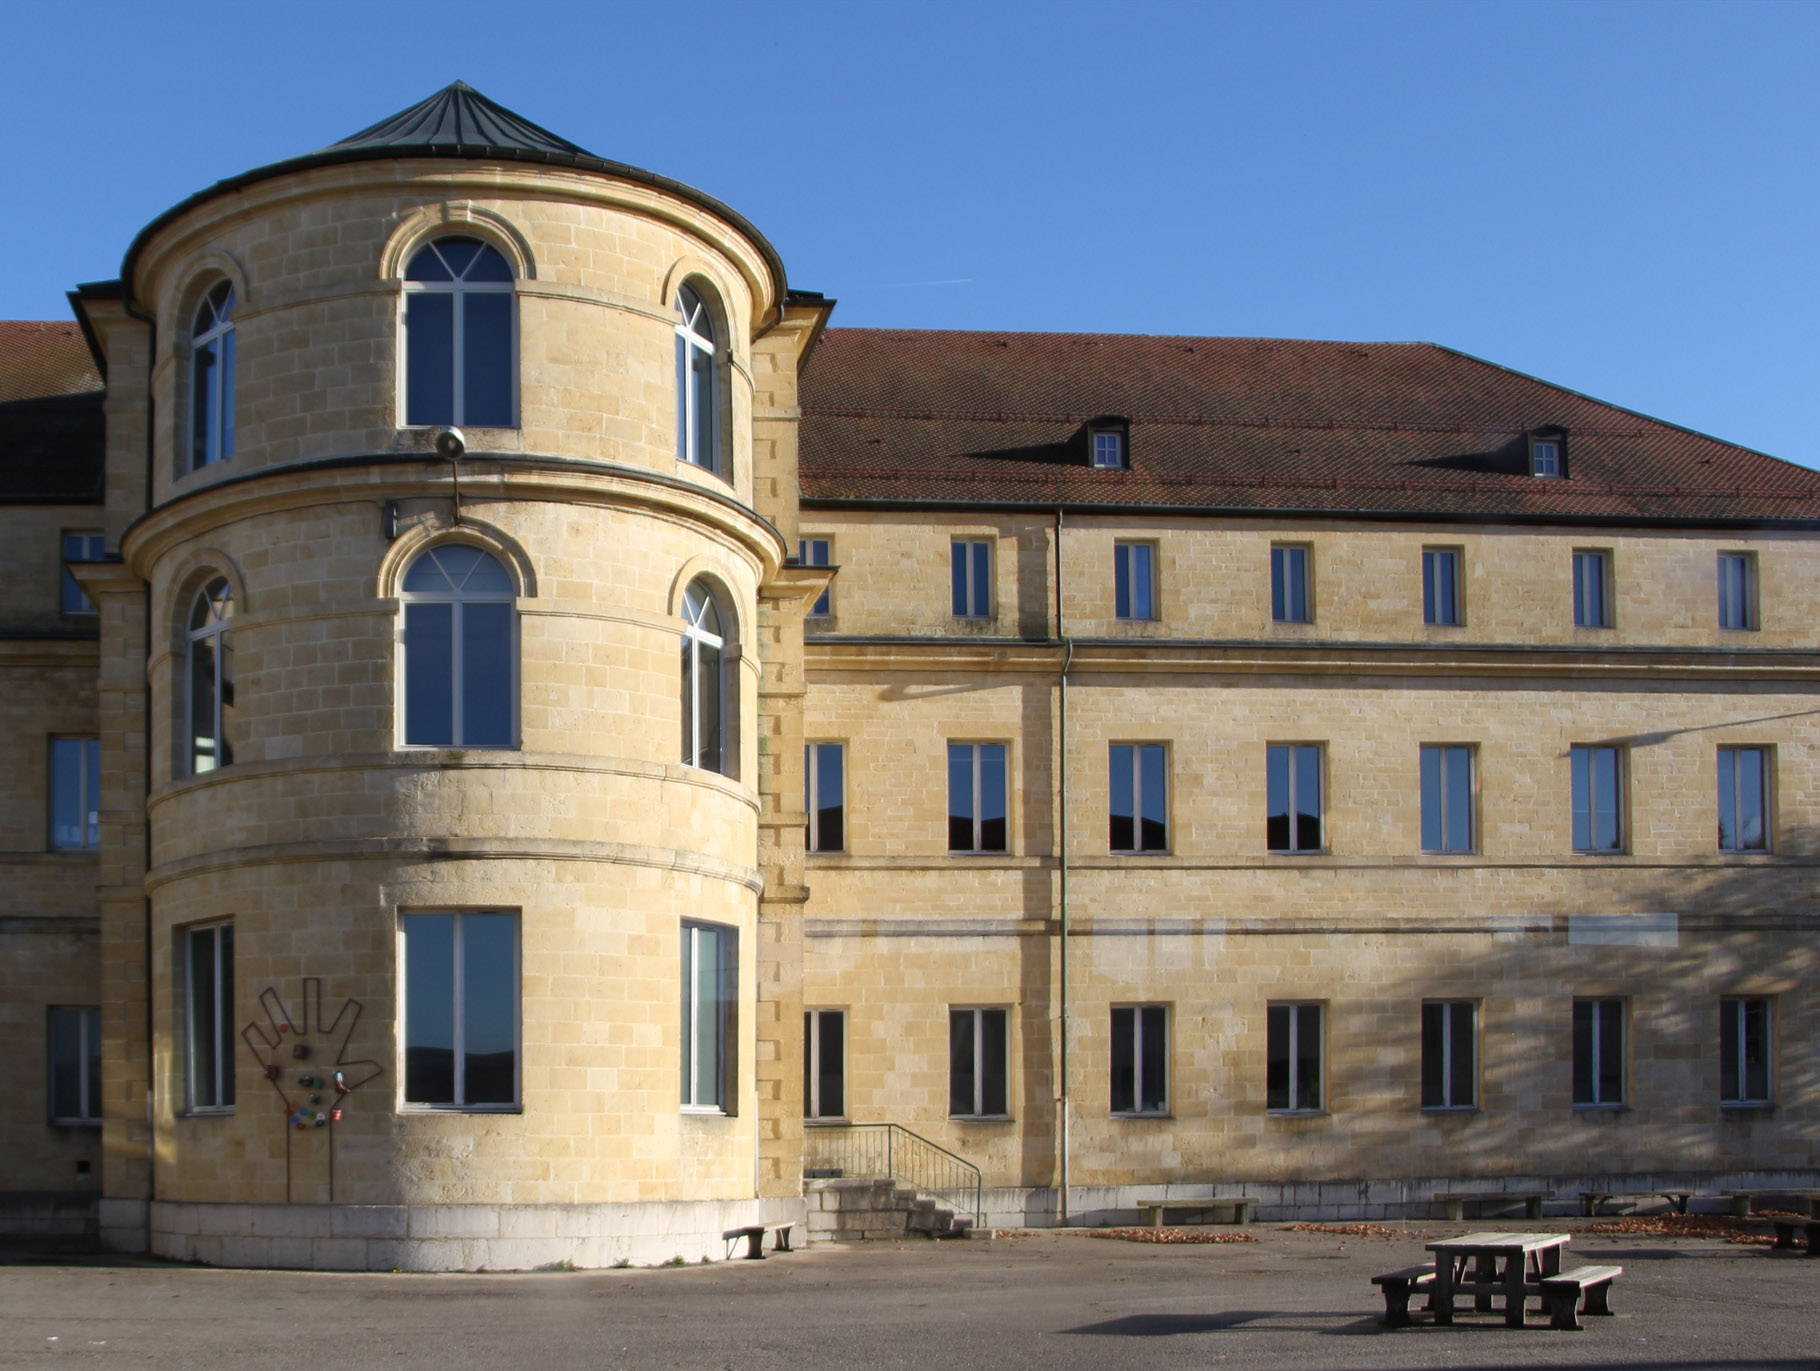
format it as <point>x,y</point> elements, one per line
<point>1617,197</point>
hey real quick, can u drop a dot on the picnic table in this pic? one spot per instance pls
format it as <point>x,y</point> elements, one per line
<point>1485,1265</point>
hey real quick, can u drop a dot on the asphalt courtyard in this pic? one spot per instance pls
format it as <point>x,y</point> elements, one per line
<point>1051,1300</point>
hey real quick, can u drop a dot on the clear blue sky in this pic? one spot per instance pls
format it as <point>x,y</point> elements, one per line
<point>1619,197</point>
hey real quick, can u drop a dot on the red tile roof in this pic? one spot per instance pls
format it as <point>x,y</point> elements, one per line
<point>1249,424</point>
<point>52,434</point>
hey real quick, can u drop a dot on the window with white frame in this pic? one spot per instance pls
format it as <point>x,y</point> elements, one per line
<point>1290,601</point>
<point>710,1003</point>
<point>211,679</point>
<point>1140,1059</point>
<point>1546,458</point>
<point>707,695</point>
<point>697,390</point>
<point>212,378</point>
<point>1108,449</point>
<point>1447,798</point>
<point>1450,1054</point>
<point>1592,589</point>
<point>1295,810</point>
<point>461,1009</point>
<point>1134,580</point>
<point>75,794</point>
<point>979,1063</point>
<point>1744,798</point>
<point>824,1064</point>
<point>1600,822</point>
<point>978,808</point>
<point>73,1035</point>
<point>1441,599</point>
<point>818,552</point>
<point>1295,1059</point>
<point>971,579</point>
<point>825,772</point>
<point>1737,590</point>
<point>79,547</point>
<point>208,1013</point>
<point>1598,1052</point>
<point>1138,799</point>
<point>460,351</point>
<point>1745,1050</point>
<point>460,649</point>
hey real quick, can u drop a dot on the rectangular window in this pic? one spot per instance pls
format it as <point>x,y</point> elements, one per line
<point>1598,1052</point>
<point>1441,587</point>
<point>460,1010</point>
<point>1447,798</point>
<point>1139,805</point>
<point>1744,1050</point>
<point>1450,1054</point>
<point>1737,590</point>
<point>1134,580</point>
<point>710,1015</point>
<point>1294,1069</point>
<point>1744,774</point>
<point>1598,799</point>
<point>972,580</point>
<point>818,552</point>
<point>79,547</point>
<point>977,797</point>
<point>74,1036</point>
<point>1140,1059</point>
<point>979,1063</point>
<point>1544,457</point>
<point>75,794</point>
<point>209,1018</point>
<point>824,1064</point>
<point>1108,449</point>
<point>825,766</point>
<point>1592,589</point>
<point>1289,599</point>
<point>1292,777</point>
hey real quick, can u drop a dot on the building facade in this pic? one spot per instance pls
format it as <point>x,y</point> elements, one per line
<point>524,737</point>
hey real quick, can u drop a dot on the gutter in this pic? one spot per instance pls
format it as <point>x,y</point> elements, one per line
<point>1062,1102</point>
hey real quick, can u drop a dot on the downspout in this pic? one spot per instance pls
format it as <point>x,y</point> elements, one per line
<point>1061,851</point>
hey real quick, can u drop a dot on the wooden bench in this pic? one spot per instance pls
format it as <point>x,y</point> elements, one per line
<point>1241,1208</point>
<point>1398,1286</point>
<point>1561,1293</point>
<point>1590,1200</point>
<point>1741,1200</point>
<point>1788,1233</point>
<point>754,1234</point>
<point>1456,1202</point>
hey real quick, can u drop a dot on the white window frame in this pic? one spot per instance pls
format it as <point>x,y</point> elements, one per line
<point>217,436</point>
<point>976,593</point>
<point>1297,1093</point>
<point>812,795</point>
<point>457,598</point>
<point>460,290</point>
<point>218,595</point>
<point>87,805</point>
<point>79,546</point>
<point>726,1018</point>
<point>1595,1048</point>
<point>1128,557</point>
<point>1738,602</point>
<point>1443,798</point>
<point>1621,807</point>
<point>979,1060</point>
<point>1291,564</point>
<point>812,1062</point>
<point>1138,815</point>
<point>695,638</point>
<point>1108,449</point>
<point>458,1007</point>
<point>1454,559</point>
<point>976,773</point>
<point>1449,1010</point>
<point>86,1020</point>
<point>818,552</point>
<point>694,447</point>
<point>223,1027</point>
<point>1294,847</point>
<point>1547,458</point>
<point>1595,611</point>
<point>1737,1006</point>
<point>1766,797</point>
<point>1138,1012</point>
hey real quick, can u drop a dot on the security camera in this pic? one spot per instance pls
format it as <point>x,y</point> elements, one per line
<point>450,443</point>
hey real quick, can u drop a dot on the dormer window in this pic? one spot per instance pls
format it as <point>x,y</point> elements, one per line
<point>1548,454</point>
<point>1107,445</point>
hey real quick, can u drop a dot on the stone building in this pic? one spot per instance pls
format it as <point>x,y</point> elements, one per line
<point>525,742</point>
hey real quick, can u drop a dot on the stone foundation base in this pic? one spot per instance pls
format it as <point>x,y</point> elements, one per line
<point>452,1237</point>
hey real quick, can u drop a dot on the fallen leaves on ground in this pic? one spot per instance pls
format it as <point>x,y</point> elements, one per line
<point>1721,1226</point>
<point>1349,1230</point>
<point>1169,1235</point>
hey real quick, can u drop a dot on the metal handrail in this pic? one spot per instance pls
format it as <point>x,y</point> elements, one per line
<point>889,1151</point>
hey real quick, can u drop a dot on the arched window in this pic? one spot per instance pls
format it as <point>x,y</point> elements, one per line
<point>459,355</point>
<point>460,652</point>
<point>697,394</point>
<point>212,378</point>
<point>704,680</point>
<point>211,709</point>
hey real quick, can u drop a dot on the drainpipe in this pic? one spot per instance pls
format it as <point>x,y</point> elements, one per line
<point>1061,850</point>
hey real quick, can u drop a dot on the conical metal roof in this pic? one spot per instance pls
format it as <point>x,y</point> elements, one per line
<point>458,116</point>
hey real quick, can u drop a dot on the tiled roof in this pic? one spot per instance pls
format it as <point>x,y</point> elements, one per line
<point>1248,424</point>
<point>51,430</point>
